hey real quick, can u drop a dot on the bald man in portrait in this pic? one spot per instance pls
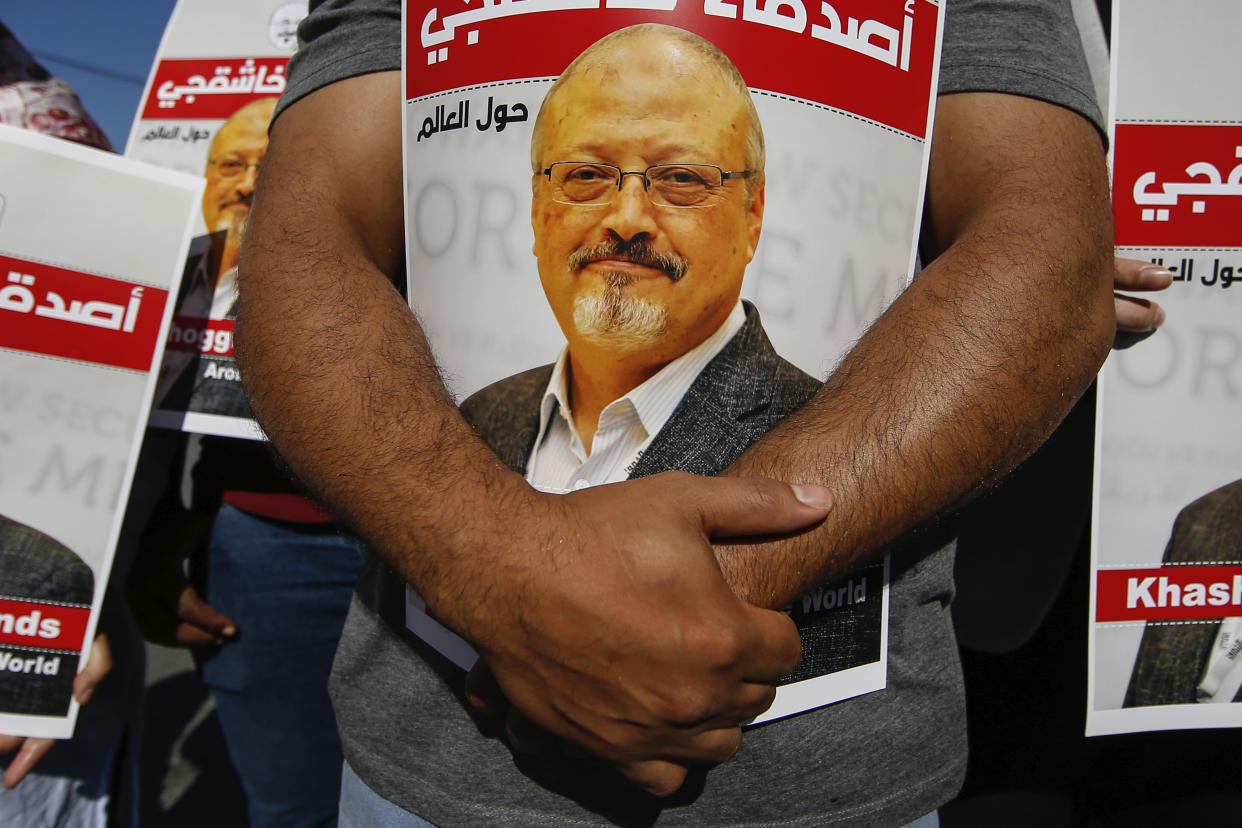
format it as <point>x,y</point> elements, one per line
<point>643,231</point>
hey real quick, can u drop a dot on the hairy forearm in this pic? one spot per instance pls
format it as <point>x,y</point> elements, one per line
<point>971,367</point>
<point>343,381</point>
<point>337,367</point>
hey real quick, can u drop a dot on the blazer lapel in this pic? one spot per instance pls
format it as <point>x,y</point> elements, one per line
<point>506,415</point>
<point>716,419</point>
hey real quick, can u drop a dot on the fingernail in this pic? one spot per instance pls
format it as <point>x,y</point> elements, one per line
<point>85,695</point>
<point>816,496</point>
<point>1155,276</point>
<point>1159,318</point>
<point>228,632</point>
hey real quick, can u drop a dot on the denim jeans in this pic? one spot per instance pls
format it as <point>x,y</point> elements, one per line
<point>287,586</point>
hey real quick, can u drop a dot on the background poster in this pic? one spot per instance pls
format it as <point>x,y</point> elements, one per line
<point>844,92</point>
<point>1167,556</point>
<point>205,111</point>
<point>90,247</point>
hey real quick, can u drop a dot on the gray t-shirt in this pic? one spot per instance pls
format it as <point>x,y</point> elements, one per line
<point>1022,47</point>
<point>882,759</point>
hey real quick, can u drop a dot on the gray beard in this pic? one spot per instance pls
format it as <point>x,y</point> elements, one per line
<point>234,227</point>
<point>618,320</point>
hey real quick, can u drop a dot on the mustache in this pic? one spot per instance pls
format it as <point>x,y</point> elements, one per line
<point>244,199</point>
<point>636,250</point>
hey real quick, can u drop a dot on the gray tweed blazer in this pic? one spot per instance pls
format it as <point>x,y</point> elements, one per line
<point>741,394</point>
<point>1171,659</point>
<point>36,567</point>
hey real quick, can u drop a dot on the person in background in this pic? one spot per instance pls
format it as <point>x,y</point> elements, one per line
<point>270,571</point>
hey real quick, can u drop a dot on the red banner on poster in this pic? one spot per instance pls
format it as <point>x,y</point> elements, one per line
<point>872,58</point>
<point>1169,593</point>
<point>1177,185</point>
<point>212,88</point>
<point>64,313</point>
<point>190,334</point>
<point>43,625</point>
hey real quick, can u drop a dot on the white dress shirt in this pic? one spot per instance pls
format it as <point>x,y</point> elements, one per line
<point>559,461</point>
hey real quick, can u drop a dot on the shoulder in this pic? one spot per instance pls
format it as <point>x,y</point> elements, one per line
<point>508,400</point>
<point>341,39</point>
<point>793,386</point>
<point>36,566</point>
<point>1032,49</point>
<point>1208,528</point>
<point>788,386</point>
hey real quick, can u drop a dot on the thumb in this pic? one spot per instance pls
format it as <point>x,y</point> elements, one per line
<point>735,506</point>
<point>98,665</point>
<point>202,623</point>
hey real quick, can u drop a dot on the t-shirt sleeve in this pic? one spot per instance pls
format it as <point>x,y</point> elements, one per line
<point>341,39</point>
<point>1021,47</point>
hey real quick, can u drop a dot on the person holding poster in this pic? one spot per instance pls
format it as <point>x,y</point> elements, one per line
<point>79,778</point>
<point>246,571</point>
<point>604,613</point>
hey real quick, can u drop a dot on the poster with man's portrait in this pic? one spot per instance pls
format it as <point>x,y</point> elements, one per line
<point>207,106</point>
<point>91,246</point>
<point>1167,556</point>
<point>642,232</point>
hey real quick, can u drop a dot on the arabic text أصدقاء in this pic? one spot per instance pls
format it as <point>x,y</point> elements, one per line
<point>869,38</point>
<point>18,297</point>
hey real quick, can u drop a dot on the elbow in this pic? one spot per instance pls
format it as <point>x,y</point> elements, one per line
<point>1094,266</point>
<point>1100,316</point>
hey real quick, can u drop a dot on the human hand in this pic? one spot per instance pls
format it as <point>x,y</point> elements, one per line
<point>625,641</point>
<point>169,611</point>
<point>175,616</point>
<point>30,749</point>
<point>656,776</point>
<point>1137,317</point>
<point>164,604</point>
<point>198,623</point>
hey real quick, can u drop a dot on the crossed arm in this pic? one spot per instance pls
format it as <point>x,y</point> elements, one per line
<point>594,615</point>
<point>974,364</point>
<point>964,375</point>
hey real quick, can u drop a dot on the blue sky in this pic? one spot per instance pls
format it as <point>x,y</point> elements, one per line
<point>103,48</point>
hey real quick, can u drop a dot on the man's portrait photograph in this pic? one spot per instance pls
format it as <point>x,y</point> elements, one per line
<point>712,179</point>
<point>198,374</point>
<point>648,198</point>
